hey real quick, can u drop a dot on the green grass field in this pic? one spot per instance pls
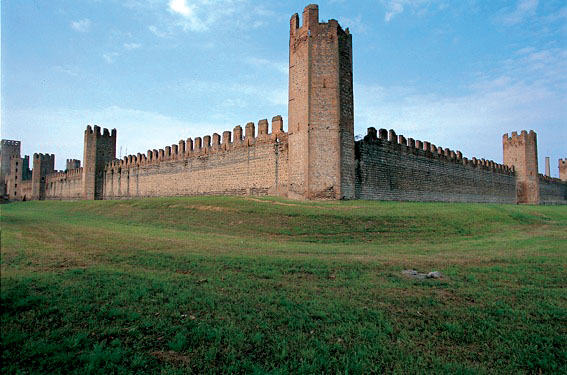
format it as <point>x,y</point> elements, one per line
<point>243,285</point>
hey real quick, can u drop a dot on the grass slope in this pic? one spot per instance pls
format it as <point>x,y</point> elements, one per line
<point>242,285</point>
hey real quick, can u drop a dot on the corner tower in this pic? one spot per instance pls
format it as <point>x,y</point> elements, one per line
<point>43,164</point>
<point>99,149</point>
<point>520,152</point>
<point>320,109</point>
<point>563,169</point>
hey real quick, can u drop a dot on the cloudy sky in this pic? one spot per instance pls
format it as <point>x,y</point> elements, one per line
<point>456,73</point>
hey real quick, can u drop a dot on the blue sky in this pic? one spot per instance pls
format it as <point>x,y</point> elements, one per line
<point>456,73</point>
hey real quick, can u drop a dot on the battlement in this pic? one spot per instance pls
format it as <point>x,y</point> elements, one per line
<point>64,175</point>
<point>311,25</point>
<point>9,142</point>
<point>44,157</point>
<point>206,145</point>
<point>563,169</point>
<point>96,130</point>
<point>516,138</point>
<point>399,143</point>
<point>71,164</point>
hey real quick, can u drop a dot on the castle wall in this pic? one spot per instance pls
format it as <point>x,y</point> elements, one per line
<point>552,190</point>
<point>66,185</point>
<point>24,192</point>
<point>249,166</point>
<point>393,168</point>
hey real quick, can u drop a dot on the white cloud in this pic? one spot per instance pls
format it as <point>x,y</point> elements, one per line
<point>523,10</point>
<point>181,7</point>
<point>393,7</point>
<point>131,46</point>
<point>190,20</point>
<point>419,7</point>
<point>110,57</point>
<point>81,26</point>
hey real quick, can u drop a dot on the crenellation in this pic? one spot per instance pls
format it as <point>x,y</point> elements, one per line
<point>563,169</point>
<point>226,140</point>
<point>277,125</point>
<point>250,132</point>
<point>181,153</point>
<point>392,136</point>
<point>237,134</point>
<point>216,141</point>
<point>206,144</point>
<point>263,129</point>
<point>317,158</point>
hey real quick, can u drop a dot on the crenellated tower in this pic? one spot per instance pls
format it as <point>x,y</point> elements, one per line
<point>72,164</point>
<point>99,149</point>
<point>520,152</point>
<point>320,109</point>
<point>563,169</point>
<point>43,164</point>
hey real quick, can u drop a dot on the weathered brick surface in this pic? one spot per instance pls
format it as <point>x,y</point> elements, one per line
<point>71,164</point>
<point>552,190</point>
<point>520,152</point>
<point>249,166</point>
<point>43,165</point>
<point>66,185</point>
<point>99,149</point>
<point>320,109</point>
<point>388,170</point>
<point>8,149</point>
<point>19,184</point>
<point>563,169</point>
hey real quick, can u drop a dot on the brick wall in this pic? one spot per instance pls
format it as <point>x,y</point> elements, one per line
<point>66,185</point>
<point>390,167</point>
<point>552,190</point>
<point>253,165</point>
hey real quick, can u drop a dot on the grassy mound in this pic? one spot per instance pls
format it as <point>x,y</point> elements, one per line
<point>245,285</point>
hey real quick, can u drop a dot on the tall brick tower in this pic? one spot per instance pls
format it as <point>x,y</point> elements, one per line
<point>320,109</point>
<point>99,149</point>
<point>43,164</point>
<point>8,149</point>
<point>520,152</point>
